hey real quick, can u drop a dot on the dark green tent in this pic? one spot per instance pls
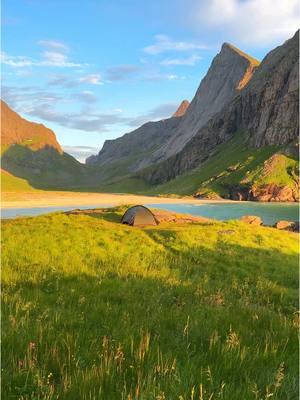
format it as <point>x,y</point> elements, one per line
<point>138,216</point>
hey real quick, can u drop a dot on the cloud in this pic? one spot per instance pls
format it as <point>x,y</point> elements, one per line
<point>67,81</point>
<point>162,111</point>
<point>87,97</point>
<point>122,72</point>
<point>54,55</point>
<point>54,45</point>
<point>164,44</point>
<point>158,76</point>
<point>192,60</point>
<point>81,153</point>
<point>255,22</point>
<point>17,62</point>
<point>93,79</point>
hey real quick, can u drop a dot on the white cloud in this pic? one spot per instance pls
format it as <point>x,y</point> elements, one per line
<point>54,45</point>
<point>93,79</point>
<point>16,62</point>
<point>192,60</point>
<point>81,152</point>
<point>54,55</point>
<point>164,44</point>
<point>256,22</point>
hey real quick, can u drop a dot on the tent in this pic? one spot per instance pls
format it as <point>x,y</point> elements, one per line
<point>138,216</point>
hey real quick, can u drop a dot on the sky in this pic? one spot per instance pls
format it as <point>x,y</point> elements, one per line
<point>96,69</point>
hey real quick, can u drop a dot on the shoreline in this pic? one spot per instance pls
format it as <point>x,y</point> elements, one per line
<point>54,199</point>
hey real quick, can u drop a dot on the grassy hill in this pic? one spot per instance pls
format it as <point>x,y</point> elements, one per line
<point>11,183</point>
<point>235,164</point>
<point>92,309</point>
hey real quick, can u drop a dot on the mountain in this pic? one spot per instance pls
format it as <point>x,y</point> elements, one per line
<point>153,142</point>
<point>181,110</point>
<point>17,130</point>
<point>31,151</point>
<point>266,115</point>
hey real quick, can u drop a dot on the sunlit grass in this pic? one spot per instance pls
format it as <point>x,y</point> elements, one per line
<point>92,309</point>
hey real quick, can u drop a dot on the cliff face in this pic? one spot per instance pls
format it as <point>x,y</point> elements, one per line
<point>181,110</point>
<point>228,74</point>
<point>17,130</point>
<point>153,142</point>
<point>266,110</point>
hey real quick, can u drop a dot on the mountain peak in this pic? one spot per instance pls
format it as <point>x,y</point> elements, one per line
<point>228,46</point>
<point>181,109</point>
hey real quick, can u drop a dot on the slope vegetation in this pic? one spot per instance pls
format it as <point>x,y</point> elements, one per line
<point>200,311</point>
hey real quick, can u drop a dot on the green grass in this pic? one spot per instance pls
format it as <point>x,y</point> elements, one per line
<point>232,164</point>
<point>11,183</point>
<point>92,309</point>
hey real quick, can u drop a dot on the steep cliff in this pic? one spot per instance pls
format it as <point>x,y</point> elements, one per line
<point>266,111</point>
<point>181,110</point>
<point>153,142</point>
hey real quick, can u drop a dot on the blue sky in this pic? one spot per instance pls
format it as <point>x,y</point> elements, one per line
<point>93,70</point>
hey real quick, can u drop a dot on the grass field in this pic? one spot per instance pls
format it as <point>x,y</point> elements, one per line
<point>92,309</point>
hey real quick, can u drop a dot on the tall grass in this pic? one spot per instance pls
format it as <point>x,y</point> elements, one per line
<point>92,309</point>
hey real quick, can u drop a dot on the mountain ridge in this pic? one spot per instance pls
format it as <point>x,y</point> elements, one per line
<point>157,141</point>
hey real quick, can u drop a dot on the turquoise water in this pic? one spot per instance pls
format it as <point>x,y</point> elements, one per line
<point>269,212</point>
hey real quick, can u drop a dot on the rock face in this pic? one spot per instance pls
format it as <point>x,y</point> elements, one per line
<point>17,130</point>
<point>266,109</point>
<point>181,110</point>
<point>252,220</point>
<point>153,142</point>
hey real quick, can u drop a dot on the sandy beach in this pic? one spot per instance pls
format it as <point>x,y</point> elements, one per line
<point>52,199</point>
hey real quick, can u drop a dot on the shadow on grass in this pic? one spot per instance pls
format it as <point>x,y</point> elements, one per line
<point>112,331</point>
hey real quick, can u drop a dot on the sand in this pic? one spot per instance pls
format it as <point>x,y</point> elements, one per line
<point>53,199</point>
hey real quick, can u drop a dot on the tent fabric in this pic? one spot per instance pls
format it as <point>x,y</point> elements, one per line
<point>138,216</point>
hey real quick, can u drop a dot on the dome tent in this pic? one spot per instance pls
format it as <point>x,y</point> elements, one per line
<point>138,216</point>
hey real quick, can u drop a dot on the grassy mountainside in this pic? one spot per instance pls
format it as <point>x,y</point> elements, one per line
<point>10,183</point>
<point>234,164</point>
<point>202,311</point>
<point>43,168</point>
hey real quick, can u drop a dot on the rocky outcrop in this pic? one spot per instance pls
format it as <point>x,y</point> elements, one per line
<point>181,110</point>
<point>252,220</point>
<point>292,226</point>
<point>266,110</point>
<point>273,192</point>
<point>153,142</point>
<point>17,130</point>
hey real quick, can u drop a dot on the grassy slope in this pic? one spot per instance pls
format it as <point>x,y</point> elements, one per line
<point>235,153</point>
<point>11,183</point>
<point>233,163</point>
<point>92,309</point>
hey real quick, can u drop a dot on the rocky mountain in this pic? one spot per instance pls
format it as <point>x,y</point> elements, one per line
<point>181,110</point>
<point>31,151</point>
<point>17,130</point>
<point>153,142</point>
<point>265,111</point>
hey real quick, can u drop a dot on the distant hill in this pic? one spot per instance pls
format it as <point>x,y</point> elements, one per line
<point>31,151</point>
